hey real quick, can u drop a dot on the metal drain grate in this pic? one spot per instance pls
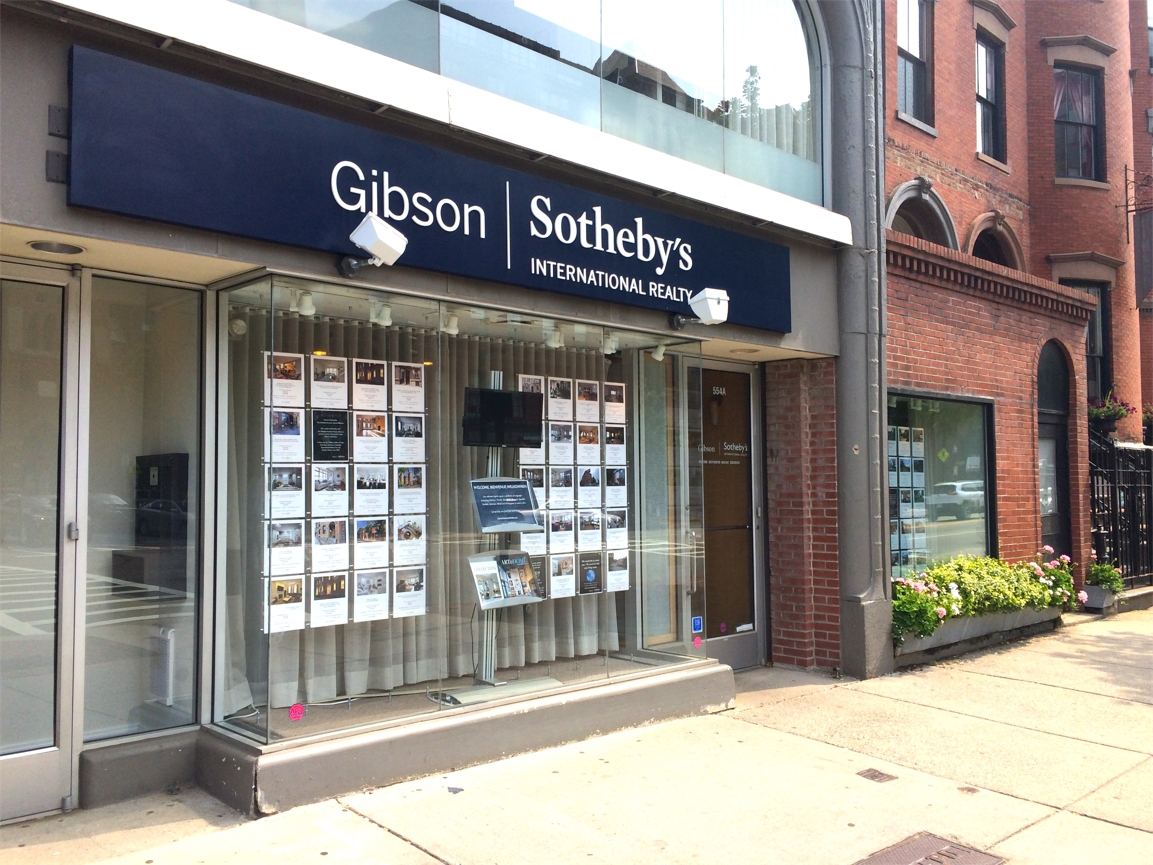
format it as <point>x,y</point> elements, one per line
<point>876,775</point>
<point>926,849</point>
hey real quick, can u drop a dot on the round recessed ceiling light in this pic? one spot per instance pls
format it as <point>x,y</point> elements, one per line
<point>54,247</point>
<point>743,350</point>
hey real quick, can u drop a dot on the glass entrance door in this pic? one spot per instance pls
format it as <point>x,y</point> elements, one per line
<point>39,340</point>
<point>733,588</point>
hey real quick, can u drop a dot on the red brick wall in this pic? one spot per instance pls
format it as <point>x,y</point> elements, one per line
<point>960,326</point>
<point>968,186</point>
<point>801,487</point>
<point>1142,85</point>
<point>1070,219</point>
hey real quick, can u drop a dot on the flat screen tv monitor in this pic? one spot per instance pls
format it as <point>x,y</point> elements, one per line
<point>502,418</point>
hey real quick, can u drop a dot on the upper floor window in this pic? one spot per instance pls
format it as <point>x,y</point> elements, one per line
<point>1079,122</point>
<point>990,98</point>
<point>915,58</point>
<point>1098,375</point>
<point>733,85</point>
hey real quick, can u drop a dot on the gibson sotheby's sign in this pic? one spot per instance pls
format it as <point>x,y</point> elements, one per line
<point>157,145</point>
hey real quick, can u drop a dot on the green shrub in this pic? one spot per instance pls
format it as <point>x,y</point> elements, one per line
<point>977,586</point>
<point>1107,577</point>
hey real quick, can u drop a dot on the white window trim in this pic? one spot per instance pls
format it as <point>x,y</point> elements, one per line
<point>239,32</point>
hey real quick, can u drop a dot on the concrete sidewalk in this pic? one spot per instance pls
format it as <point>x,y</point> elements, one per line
<point>1038,752</point>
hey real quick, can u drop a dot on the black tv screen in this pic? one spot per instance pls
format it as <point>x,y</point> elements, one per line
<point>502,418</point>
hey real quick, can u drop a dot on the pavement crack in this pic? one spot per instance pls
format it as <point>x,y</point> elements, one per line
<point>1017,832</point>
<point>1018,679</point>
<point>391,831</point>
<point>1106,784</point>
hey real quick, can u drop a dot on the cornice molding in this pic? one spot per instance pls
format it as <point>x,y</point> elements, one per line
<point>955,270</point>
<point>1096,257</point>
<point>996,11</point>
<point>1082,41</point>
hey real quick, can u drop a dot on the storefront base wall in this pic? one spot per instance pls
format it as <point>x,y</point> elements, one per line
<point>801,483</point>
<point>266,782</point>
<point>965,329</point>
<point>125,770</point>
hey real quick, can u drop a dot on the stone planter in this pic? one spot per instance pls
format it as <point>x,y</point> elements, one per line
<point>1104,425</point>
<point>1099,598</point>
<point>967,628</point>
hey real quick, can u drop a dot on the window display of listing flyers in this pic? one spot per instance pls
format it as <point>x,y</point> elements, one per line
<point>588,448</point>
<point>904,446</point>
<point>614,402</point>
<point>617,572</point>
<point>285,610</point>
<point>560,399</point>
<point>562,576</point>
<point>330,545</point>
<point>589,566</point>
<point>285,492</point>
<point>408,387</point>
<point>370,437</point>
<point>284,435</point>
<point>370,385</point>
<point>370,601</point>
<point>536,456</point>
<point>615,454</point>
<point>408,438</point>
<point>371,493</point>
<point>408,493</point>
<point>283,379</point>
<point>409,546</point>
<point>589,486</point>
<point>530,383</point>
<point>285,550</point>
<point>616,487</point>
<point>329,436</point>
<point>329,490</point>
<point>329,600</point>
<point>371,547</point>
<point>409,592</point>
<point>588,401</point>
<point>560,445</point>
<point>561,537</point>
<point>917,436</point>
<point>329,382</point>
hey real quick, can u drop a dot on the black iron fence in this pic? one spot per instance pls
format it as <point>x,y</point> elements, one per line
<point>1121,492</point>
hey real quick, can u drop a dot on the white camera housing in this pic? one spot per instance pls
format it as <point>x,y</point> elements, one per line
<point>711,305</point>
<point>379,239</point>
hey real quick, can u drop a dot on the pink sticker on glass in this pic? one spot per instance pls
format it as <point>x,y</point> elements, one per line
<point>696,642</point>
<point>296,712</point>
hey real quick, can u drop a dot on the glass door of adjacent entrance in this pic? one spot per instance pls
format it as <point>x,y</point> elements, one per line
<point>39,350</point>
<point>734,603</point>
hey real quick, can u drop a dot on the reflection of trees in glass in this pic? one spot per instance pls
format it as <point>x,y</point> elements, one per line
<point>786,127</point>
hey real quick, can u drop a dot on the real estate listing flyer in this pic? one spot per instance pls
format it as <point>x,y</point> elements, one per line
<point>408,597</point>
<point>329,382</point>
<point>614,402</point>
<point>615,451</point>
<point>284,553</point>
<point>560,399</point>
<point>330,545</point>
<point>285,609</point>
<point>370,437</point>
<point>588,443</point>
<point>284,435</point>
<point>370,549</point>
<point>329,600</point>
<point>617,572</point>
<point>329,490</point>
<point>616,487</point>
<point>408,387</point>
<point>370,385</point>
<point>561,534</point>
<point>589,566</point>
<point>588,401</point>
<point>408,438</point>
<point>370,602</point>
<point>409,546</point>
<point>371,493</point>
<point>285,491</point>
<point>283,379</point>
<point>408,489</point>
<point>562,576</point>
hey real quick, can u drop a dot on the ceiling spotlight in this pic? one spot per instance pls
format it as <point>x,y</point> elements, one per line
<point>238,327</point>
<point>307,307</point>
<point>555,339</point>
<point>55,247</point>
<point>611,345</point>
<point>658,353</point>
<point>451,324</point>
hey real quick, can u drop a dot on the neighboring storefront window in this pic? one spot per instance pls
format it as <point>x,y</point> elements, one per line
<point>729,84</point>
<point>144,433</point>
<point>938,482</point>
<point>357,575</point>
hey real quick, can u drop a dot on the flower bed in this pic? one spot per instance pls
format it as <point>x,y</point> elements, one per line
<point>969,587</point>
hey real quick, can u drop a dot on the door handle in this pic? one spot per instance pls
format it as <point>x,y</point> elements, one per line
<point>693,560</point>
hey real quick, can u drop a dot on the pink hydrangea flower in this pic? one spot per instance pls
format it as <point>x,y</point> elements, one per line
<point>1037,570</point>
<point>940,612</point>
<point>1082,596</point>
<point>1048,549</point>
<point>1065,558</point>
<point>1116,570</point>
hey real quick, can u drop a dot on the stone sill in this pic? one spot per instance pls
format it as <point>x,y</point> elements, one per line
<point>917,124</point>
<point>996,163</point>
<point>1080,181</point>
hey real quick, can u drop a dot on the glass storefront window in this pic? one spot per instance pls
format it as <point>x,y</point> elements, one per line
<point>143,505</point>
<point>357,575</point>
<point>938,482</point>
<point>729,84</point>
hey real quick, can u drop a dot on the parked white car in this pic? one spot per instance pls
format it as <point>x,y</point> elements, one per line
<point>959,499</point>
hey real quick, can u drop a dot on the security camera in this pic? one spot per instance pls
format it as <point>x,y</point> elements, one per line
<point>379,239</point>
<point>711,305</point>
